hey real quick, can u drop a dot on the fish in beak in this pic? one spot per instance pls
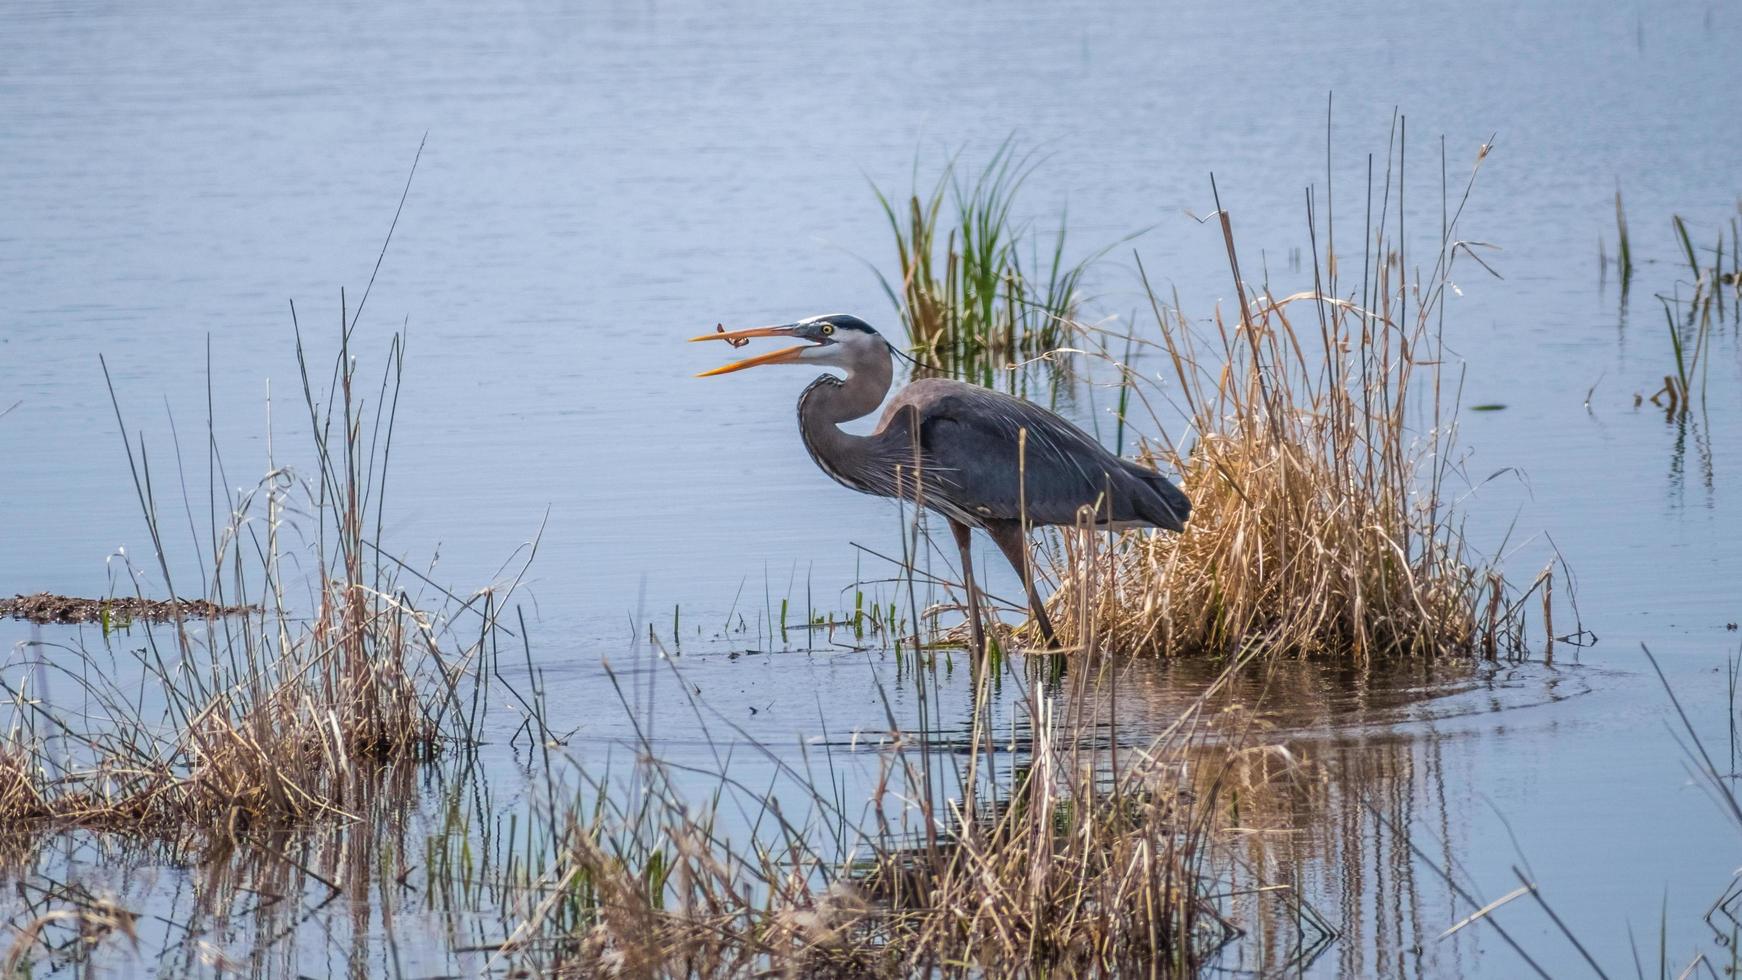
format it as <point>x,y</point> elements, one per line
<point>738,338</point>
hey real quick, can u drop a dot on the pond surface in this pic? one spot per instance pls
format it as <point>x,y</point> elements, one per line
<point>601,182</point>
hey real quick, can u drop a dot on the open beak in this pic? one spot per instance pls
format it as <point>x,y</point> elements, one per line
<point>738,338</point>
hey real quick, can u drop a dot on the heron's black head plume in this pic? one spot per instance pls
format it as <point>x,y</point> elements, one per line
<point>898,352</point>
<point>844,322</point>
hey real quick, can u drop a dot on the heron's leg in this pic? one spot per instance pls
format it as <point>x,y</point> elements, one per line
<point>964,538</point>
<point>1010,540</point>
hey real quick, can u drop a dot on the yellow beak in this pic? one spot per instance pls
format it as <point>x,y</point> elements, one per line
<point>738,338</point>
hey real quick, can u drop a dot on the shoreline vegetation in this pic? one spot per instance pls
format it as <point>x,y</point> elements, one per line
<point>281,754</point>
<point>115,612</point>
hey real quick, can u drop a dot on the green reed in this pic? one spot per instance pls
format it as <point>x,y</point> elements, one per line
<point>980,286</point>
<point>1717,292</point>
<point>1624,257</point>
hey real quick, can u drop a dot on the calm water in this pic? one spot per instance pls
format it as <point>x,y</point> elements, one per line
<point>601,183</point>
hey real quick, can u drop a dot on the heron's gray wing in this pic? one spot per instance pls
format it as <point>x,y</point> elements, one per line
<point>973,440</point>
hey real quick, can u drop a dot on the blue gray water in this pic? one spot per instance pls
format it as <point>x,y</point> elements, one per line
<point>601,182</point>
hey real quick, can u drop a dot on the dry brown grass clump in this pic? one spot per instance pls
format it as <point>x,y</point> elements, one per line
<point>1322,522</point>
<point>262,719</point>
<point>351,698</point>
<point>280,744</point>
<point>1038,850</point>
<point>21,794</point>
<point>1310,532</point>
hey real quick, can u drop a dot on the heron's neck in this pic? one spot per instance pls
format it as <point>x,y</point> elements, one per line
<point>828,402</point>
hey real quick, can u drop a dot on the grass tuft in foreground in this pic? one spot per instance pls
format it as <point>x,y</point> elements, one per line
<point>1038,849</point>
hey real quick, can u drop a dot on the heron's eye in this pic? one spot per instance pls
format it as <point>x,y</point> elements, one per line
<point>828,329</point>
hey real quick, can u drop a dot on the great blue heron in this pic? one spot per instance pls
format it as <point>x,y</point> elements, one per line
<point>977,457</point>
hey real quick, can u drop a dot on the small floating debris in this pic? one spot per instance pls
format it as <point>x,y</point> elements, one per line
<point>1490,407</point>
<point>44,607</point>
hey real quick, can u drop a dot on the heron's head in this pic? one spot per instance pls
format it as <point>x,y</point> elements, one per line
<point>833,340</point>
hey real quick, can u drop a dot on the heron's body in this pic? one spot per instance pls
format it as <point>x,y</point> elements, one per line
<point>982,457</point>
<point>975,456</point>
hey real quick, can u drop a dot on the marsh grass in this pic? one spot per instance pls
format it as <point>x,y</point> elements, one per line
<point>1717,293</point>
<point>1038,848</point>
<point>1319,463</point>
<point>1624,248</point>
<point>233,725</point>
<point>979,286</point>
